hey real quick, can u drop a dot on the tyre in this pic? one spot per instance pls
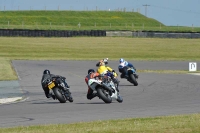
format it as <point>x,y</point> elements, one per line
<point>59,95</point>
<point>103,95</point>
<point>133,80</point>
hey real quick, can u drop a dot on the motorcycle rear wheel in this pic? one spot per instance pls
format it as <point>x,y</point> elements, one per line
<point>105,97</point>
<point>133,80</point>
<point>59,95</point>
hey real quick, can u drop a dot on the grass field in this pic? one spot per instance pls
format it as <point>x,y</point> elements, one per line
<point>85,20</point>
<point>95,48</point>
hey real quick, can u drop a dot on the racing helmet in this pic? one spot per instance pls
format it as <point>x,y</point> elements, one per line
<point>121,60</point>
<point>91,71</point>
<point>46,72</point>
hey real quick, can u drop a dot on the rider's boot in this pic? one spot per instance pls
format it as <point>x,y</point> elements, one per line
<point>91,96</point>
<point>51,96</point>
<point>126,76</point>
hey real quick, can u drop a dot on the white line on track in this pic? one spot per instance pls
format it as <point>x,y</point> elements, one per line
<point>11,100</point>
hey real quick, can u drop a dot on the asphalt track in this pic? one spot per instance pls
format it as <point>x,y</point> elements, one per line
<point>156,95</point>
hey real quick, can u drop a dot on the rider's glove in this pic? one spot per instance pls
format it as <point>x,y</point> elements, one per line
<point>105,60</point>
<point>113,71</point>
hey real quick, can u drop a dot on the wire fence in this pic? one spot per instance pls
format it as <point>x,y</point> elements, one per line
<point>92,26</point>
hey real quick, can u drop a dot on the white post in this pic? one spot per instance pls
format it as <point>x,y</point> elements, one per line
<point>79,25</point>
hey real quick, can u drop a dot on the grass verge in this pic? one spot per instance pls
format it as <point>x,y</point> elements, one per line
<point>6,70</point>
<point>165,124</point>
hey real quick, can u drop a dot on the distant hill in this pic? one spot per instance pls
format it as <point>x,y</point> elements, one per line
<point>84,20</point>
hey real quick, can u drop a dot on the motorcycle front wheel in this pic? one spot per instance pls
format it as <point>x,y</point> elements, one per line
<point>59,95</point>
<point>104,95</point>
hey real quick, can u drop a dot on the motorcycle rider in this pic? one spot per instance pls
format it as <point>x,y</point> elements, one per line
<point>47,76</point>
<point>123,66</point>
<point>103,69</point>
<point>91,74</point>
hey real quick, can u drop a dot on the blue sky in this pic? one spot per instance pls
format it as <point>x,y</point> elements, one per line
<point>168,12</point>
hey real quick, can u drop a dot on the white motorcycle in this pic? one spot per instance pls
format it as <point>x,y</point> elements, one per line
<point>105,89</point>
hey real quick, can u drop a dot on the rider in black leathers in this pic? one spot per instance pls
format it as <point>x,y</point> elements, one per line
<point>61,80</point>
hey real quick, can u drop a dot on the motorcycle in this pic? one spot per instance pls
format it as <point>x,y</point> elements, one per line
<point>58,90</point>
<point>113,74</point>
<point>131,76</point>
<point>105,89</point>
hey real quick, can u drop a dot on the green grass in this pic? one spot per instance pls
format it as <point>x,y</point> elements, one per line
<point>167,124</point>
<point>6,70</point>
<point>89,20</point>
<point>94,48</point>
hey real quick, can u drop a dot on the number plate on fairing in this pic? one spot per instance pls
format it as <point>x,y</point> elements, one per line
<point>51,85</point>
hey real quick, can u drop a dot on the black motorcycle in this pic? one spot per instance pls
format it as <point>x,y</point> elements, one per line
<point>59,90</point>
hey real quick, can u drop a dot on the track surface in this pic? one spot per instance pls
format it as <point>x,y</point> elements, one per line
<point>156,94</point>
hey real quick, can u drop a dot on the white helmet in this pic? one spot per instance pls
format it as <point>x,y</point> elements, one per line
<point>121,60</point>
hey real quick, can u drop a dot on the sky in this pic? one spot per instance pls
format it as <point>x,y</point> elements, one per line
<point>168,12</point>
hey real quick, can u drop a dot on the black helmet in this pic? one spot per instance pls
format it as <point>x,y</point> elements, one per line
<point>90,70</point>
<point>46,72</point>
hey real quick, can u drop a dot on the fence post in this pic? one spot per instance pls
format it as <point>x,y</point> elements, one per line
<point>95,24</point>
<point>160,26</point>
<point>22,24</point>
<point>110,25</point>
<point>8,23</point>
<point>79,25</point>
<point>50,25</point>
<point>143,26</point>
